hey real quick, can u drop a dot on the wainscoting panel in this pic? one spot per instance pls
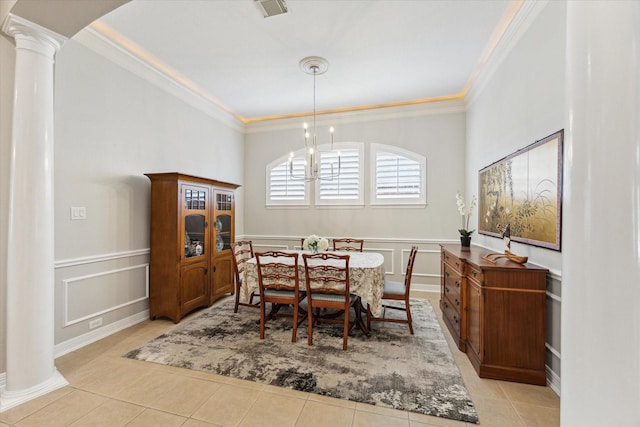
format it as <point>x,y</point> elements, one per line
<point>98,294</point>
<point>95,294</point>
<point>554,307</point>
<point>426,269</point>
<point>389,260</point>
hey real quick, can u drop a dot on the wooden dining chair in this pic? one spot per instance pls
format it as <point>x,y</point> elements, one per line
<point>279,285</point>
<point>242,252</point>
<point>327,277</point>
<point>397,291</point>
<point>348,244</point>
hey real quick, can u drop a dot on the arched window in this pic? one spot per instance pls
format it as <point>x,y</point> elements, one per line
<point>398,176</point>
<point>282,189</point>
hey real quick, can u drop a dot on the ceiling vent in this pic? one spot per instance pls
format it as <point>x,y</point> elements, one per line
<point>271,7</point>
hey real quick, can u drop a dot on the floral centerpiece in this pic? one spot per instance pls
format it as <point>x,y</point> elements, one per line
<point>465,233</point>
<point>315,243</point>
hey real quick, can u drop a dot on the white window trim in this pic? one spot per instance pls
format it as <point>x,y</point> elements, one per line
<point>361,175</point>
<point>399,201</point>
<point>293,203</point>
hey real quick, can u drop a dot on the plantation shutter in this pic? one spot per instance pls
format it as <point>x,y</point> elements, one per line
<point>346,186</point>
<point>397,176</point>
<point>282,186</point>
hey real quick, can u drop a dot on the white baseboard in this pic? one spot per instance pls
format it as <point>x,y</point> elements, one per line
<point>553,380</point>
<point>98,334</point>
<point>421,287</point>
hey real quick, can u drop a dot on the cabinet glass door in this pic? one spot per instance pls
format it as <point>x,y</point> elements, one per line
<point>224,208</point>
<point>194,223</point>
<point>223,232</point>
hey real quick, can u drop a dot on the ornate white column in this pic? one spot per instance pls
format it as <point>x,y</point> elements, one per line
<point>601,210</point>
<point>30,272</point>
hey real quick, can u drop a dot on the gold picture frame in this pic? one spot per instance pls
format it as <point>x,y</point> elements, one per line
<point>524,190</point>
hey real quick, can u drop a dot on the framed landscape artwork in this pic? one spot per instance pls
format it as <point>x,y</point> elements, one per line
<point>524,190</point>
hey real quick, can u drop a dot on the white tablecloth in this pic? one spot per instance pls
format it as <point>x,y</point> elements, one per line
<point>366,277</point>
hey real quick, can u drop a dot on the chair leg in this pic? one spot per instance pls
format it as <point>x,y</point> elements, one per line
<point>408,308</point>
<point>345,333</point>
<point>368,317</point>
<point>310,326</point>
<point>295,323</point>
<point>262,319</point>
<point>237,295</point>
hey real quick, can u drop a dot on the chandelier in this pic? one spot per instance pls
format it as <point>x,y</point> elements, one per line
<point>314,65</point>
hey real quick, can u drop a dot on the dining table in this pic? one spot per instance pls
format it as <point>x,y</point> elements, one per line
<point>366,277</point>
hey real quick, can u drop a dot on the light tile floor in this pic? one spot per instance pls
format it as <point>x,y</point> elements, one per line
<point>108,390</point>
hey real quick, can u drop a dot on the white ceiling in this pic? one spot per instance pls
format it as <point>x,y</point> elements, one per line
<point>384,51</point>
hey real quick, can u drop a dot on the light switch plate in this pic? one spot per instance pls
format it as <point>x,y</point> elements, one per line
<point>78,212</point>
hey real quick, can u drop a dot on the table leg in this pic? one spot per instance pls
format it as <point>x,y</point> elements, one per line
<point>359,321</point>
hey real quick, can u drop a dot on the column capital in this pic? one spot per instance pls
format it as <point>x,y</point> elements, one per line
<point>29,35</point>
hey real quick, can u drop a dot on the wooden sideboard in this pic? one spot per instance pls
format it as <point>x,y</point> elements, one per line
<point>495,313</point>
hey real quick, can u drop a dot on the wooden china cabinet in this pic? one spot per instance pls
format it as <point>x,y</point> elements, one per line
<point>192,228</point>
<point>495,313</point>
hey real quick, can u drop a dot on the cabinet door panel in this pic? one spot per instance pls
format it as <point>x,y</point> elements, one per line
<point>194,289</point>
<point>516,337</point>
<point>474,317</point>
<point>223,275</point>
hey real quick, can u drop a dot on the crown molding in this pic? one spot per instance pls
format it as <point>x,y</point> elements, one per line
<point>359,116</point>
<point>184,90</point>
<point>524,17</point>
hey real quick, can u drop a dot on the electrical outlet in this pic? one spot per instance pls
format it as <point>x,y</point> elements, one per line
<point>95,323</point>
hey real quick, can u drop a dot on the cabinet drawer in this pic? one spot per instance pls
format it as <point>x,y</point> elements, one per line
<point>452,284</point>
<point>451,314</point>
<point>453,261</point>
<point>474,273</point>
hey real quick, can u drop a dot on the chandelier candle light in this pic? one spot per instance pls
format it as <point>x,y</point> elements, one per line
<point>314,65</point>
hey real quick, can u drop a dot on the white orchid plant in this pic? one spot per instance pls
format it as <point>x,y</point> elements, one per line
<point>315,243</point>
<point>466,214</point>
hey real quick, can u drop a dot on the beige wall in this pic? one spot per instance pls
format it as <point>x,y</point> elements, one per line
<point>434,132</point>
<point>111,127</point>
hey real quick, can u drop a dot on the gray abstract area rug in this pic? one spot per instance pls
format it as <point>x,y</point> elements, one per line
<point>391,368</point>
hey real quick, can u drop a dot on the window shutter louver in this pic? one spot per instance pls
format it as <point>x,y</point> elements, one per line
<point>397,176</point>
<point>282,187</point>
<point>346,186</point>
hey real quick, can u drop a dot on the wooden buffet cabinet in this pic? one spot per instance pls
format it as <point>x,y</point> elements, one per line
<point>192,228</point>
<point>495,313</point>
